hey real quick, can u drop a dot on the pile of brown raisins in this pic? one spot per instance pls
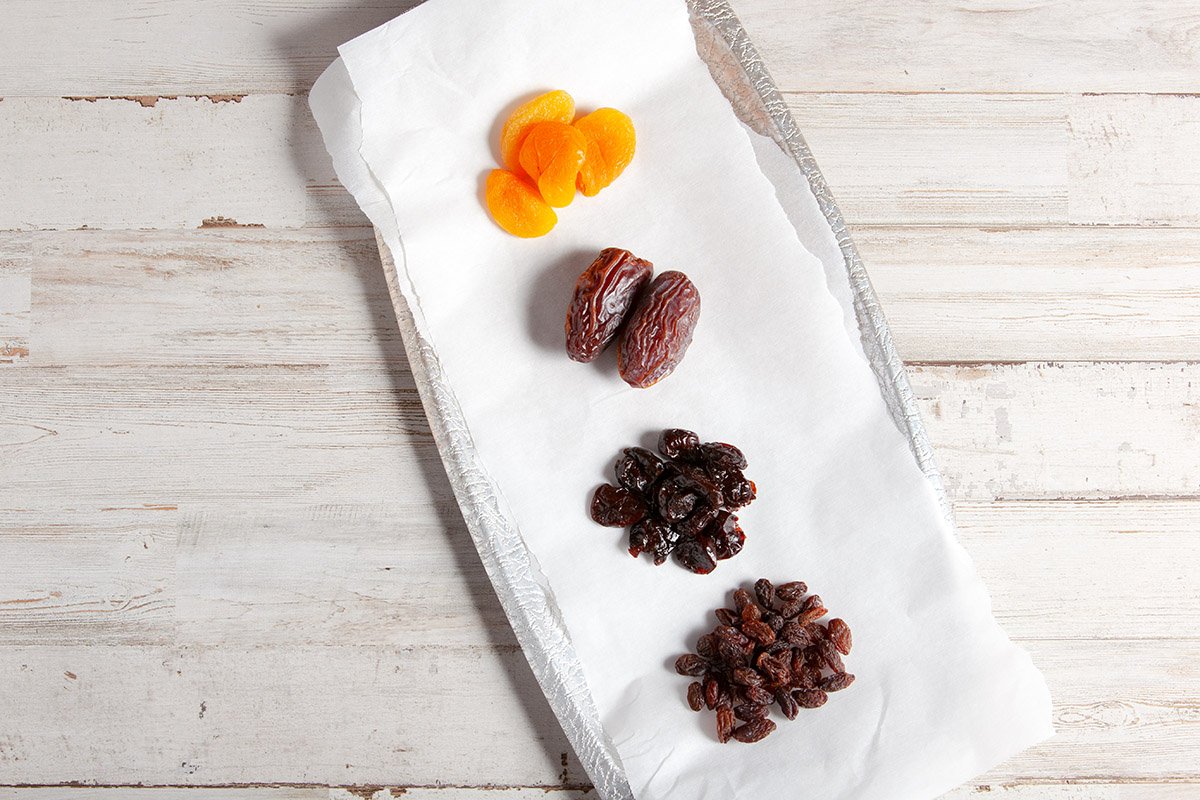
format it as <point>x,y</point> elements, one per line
<point>768,649</point>
<point>681,503</point>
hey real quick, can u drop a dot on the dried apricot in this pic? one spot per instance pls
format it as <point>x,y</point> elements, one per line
<point>610,144</point>
<point>551,156</point>
<point>557,106</point>
<point>516,205</point>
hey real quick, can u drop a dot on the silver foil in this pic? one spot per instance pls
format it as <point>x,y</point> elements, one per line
<point>737,69</point>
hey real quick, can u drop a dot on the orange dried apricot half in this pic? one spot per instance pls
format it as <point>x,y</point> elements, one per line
<point>551,155</point>
<point>516,205</point>
<point>557,106</point>
<point>610,144</point>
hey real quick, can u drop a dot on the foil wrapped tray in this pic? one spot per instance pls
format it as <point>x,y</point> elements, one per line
<point>738,70</point>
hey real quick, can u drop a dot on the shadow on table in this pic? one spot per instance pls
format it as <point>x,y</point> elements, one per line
<point>310,49</point>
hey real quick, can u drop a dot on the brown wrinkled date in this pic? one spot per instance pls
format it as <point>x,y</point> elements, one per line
<point>604,294</point>
<point>769,649</point>
<point>681,503</point>
<point>659,330</point>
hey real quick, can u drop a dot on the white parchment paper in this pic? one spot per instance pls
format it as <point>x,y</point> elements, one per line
<point>941,693</point>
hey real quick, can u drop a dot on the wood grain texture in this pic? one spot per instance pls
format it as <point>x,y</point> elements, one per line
<point>909,159</point>
<point>230,556</point>
<point>974,791</point>
<point>250,296</point>
<point>1037,294</point>
<point>255,435</point>
<point>112,48</point>
<point>15,291</point>
<point>1091,431</point>
<point>425,715</point>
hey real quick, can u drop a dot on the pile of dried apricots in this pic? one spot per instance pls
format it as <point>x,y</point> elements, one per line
<point>548,154</point>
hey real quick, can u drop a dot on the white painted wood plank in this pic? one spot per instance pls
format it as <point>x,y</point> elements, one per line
<point>317,296</point>
<point>920,159</point>
<point>104,576</point>
<point>424,716</point>
<point>1033,294</point>
<point>356,435</point>
<point>1037,430</point>
<point>1091,791</point>
<point>15,290</point>
<point>228,436</point>
<point>402,574</point>
<point>105,48</point>
<point>171,163</point>
<point>931,159</point>
<point>227,714</point>
<point>231,296</point>
<point>1134,159</point>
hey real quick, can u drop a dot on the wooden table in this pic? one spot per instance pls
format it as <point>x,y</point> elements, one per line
<point>229,556</point>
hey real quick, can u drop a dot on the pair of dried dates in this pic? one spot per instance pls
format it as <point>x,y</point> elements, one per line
<point>769,649</point>
<point>681,503</point>
<point>652,320</point>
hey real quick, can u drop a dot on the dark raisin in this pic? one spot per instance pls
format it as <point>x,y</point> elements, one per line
<point>737,491</point>
<point>690,664</point>
<point>795,634</point>
<point>754,731</point>
<point>746,676</point>
<point>810,698</point>
<point>791,608</point>
<point>757,695</point>
<point>674,498</point>
<point>839,634</point>
<point>727,617</point>
<point>829,655</point>
<point>698,556</point>
<point>617,507</point>
<point>722,456</point>
<point>695,695</point>
<point>759,631</point>
<point>663,540</point>
<point>787,704</point>
<point>696,523</point>
<point>676,442</point>
<point>741,599</point>
<point>774,620</point>
<point>765,592</point>
<point>639,539</point>
<point>706,646</point>
<point>836,682</point>
<point>751,613</point>
<point>712,691</point>
<point>725,535</point>
<point>750,712</point>
<point>790,591</point>
<point>638,469</point>
<point>724,723</point>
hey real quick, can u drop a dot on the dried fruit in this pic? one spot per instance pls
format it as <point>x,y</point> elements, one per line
<point>557,106</point>
<point>839,634</point>
<point>516,206</point>
<point>675,507</point>
<point>551,155</point>
<point>659,330</point>
<point>747,669</point>
<point>604,294</point>
<point>617,507</point>
<point>754,731</point>
<point>695,695</point>
<point>610,142</point>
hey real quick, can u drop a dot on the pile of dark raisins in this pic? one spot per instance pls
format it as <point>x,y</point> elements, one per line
<point>681,503</point>
<point>773,651</point>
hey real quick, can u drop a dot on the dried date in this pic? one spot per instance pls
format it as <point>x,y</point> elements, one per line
<point>659,331</point>
<point>604,295</point>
